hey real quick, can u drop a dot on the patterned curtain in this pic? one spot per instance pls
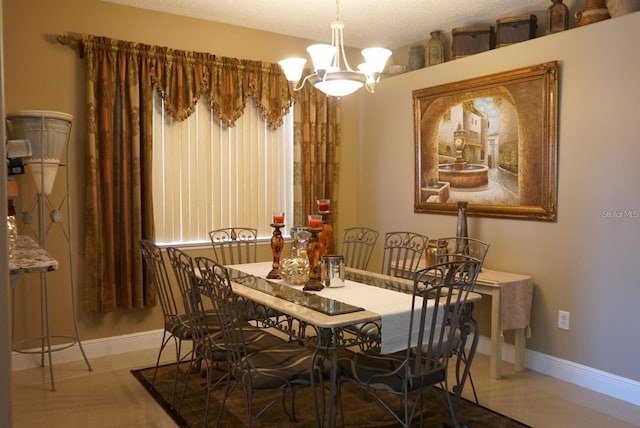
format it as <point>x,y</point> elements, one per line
<point>121,77</point>
<point>118,188</point>
<point>316,152</point>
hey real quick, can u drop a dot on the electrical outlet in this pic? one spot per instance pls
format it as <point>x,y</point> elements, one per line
<point>563,320</point>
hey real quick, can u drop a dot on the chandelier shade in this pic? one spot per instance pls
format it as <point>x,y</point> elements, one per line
<point>328,76</point>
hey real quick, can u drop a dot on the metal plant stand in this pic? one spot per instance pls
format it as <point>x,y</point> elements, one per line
<point>50,217</point>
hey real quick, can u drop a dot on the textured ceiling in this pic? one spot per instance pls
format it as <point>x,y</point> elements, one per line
<point>387,23</point>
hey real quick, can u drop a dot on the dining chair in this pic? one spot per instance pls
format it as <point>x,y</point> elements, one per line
<point>203,322</point>
<point>452,248</point>
<point>176,322</point>
<point>234,245</point>
<point>357,246</point>
<point>440,294</point>
<point>282,367</point>
<point>402,253</point>
<point>209,348</point>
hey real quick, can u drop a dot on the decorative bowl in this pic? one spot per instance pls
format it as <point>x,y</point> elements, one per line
<point>295,270</point>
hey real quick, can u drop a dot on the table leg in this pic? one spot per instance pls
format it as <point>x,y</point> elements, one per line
<point>333,389</point>
<point>496,351</point>
<point>520,349</point>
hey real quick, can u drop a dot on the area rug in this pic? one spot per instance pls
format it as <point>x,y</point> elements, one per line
<point>358,411</point>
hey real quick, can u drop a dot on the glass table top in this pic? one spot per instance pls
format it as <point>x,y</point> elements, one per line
<point>309,300</point>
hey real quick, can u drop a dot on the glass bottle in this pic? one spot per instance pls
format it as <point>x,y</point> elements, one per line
<point>295,269</point>
<point>416,57</point>
<point>12,228</point>
<point>435,49</point>
<point>557,17</point>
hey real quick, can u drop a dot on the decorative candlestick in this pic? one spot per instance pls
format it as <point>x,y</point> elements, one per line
<point>277,243</point>
<point>313,253</point>
<point>326,235</point>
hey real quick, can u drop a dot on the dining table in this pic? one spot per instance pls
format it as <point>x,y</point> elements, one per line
<point>370,311</point>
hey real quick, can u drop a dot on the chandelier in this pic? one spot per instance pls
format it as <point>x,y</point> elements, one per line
<point>328,75</point>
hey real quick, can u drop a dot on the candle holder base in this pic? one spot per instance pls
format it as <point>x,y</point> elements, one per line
<point>274,274</point>
<point>313,285</point>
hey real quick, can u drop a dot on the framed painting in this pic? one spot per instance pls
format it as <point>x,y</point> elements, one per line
<point>490,141</point>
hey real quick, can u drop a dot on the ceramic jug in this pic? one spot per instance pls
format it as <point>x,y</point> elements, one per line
<point>622,7</point>
<point>596,10</point>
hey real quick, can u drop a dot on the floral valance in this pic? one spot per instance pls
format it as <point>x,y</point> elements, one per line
<point>182,77</point>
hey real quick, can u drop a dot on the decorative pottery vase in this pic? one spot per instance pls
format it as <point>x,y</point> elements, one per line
<point>295,270</point>
<point>622,7</point>
<point>557,17</point>
<point>434,52</point>
<point>596,10</point>
<point>416,57</point>
<point>433,251</point>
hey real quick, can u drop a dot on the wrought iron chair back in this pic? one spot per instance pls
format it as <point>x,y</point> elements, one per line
<point>402,253</point>
<point>357,246</point>
<point>234,245</point>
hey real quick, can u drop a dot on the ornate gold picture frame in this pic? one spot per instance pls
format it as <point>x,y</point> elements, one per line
<point>490,141</point>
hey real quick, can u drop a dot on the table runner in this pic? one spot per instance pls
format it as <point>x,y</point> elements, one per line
<point>516,293</point>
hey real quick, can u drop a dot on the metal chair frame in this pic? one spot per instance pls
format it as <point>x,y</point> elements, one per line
<point>234,245</point>
<point>440,295</point>
<point>402,253</point>
<point>205,329</point>
<point>358,244</point>
<point>256,371</point>
<point>452,248</point>
<point>176,323</point>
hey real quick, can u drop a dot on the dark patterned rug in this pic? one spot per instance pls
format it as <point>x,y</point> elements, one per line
<point>357,410</point>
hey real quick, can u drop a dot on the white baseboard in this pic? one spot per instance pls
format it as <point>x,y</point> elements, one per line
<point>596,380</point>
<point>93,349</point>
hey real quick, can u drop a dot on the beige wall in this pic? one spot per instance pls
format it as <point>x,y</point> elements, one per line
<point>583,263</point>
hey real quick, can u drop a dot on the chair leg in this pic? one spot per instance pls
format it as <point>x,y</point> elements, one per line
<point>195,361</point>
<point>165,340</point>
<point>230,386</point>
<point>467,359</point>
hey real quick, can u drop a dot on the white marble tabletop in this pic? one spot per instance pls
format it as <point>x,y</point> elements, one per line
<point>30,258</point>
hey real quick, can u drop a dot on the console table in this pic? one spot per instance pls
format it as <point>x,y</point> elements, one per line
<point>511,299</point>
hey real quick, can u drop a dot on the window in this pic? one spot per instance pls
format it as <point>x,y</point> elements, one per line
<point>207,176</point>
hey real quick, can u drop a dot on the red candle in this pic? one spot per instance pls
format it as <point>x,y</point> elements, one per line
<point>278,218</point>
<point>323,205</point>
<point>315,221</point>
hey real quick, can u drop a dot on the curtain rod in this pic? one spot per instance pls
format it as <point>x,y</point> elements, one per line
<point>72,39</point>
